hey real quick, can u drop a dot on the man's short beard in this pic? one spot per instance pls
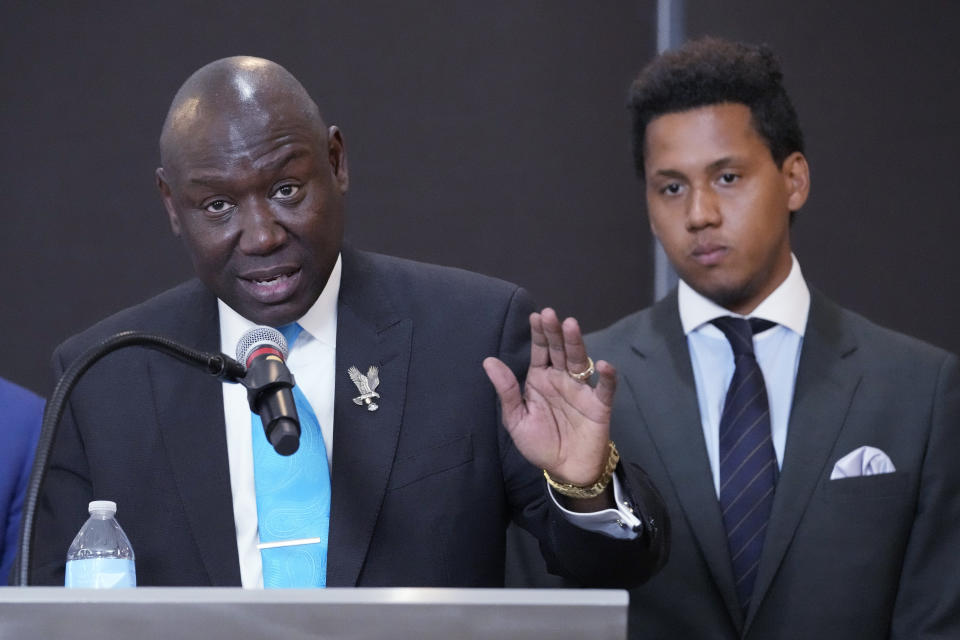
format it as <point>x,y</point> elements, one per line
<point>731,297</point>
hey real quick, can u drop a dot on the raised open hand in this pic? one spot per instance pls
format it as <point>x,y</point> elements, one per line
<point>557,421</point>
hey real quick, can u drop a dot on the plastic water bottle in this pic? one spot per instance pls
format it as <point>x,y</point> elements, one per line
<point>101,556</point>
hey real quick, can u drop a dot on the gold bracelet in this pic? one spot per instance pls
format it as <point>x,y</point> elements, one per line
<point>590,490</point>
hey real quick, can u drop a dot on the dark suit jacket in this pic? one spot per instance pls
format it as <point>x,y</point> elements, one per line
<point>21,413</point>
<point>422,489</point>
<point>858,558</point>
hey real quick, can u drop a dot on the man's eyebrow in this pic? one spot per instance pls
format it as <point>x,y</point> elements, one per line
<point>282,161</point>
<point>206,179</point>
<point>713,166</point>
<point>670,173</point>
<point>721,163</point>
<point>215,178</point>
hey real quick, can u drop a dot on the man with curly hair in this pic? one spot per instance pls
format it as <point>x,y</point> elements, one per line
<point>806,455</point>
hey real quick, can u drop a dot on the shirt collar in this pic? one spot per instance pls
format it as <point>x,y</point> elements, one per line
<point>319,322</point>
<point>788,305</point>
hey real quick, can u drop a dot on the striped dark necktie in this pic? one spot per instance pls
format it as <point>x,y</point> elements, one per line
<point>748,463</point>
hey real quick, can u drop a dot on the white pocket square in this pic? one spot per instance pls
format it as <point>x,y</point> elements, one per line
<point>865,461</point>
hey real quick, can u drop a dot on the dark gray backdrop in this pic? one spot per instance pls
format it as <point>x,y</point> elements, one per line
<point>490,136</point>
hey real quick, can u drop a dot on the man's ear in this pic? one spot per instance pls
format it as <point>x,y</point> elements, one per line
<point>337,152</point>
<point>796,177</point>
<point>167,197</point>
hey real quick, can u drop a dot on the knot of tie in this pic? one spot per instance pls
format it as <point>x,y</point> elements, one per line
<point>290,333</point>
<point>740,332</point>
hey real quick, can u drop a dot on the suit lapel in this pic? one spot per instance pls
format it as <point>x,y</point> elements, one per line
<point>369,332</point>
<point>661,378</point>
<point>189,409</point>
<point>827,380</point>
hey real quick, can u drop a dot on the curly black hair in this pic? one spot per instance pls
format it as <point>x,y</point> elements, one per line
<point>711,71</point>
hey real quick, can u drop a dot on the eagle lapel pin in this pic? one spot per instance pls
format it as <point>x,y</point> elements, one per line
<point>366,385</point>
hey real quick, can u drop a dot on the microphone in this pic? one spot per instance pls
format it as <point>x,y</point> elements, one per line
<point>263,350</point>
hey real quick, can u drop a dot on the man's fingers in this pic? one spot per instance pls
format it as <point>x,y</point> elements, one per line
<point>574,347</point>
<point>606,382</point>
<point>508,389</point>
<point>539,348</point>
<point>554,334</point>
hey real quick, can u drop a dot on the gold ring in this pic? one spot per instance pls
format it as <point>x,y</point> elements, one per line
<point>584,375</point>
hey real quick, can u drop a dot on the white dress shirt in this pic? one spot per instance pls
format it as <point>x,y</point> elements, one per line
<point>777,351</point>
<point>312,360</point>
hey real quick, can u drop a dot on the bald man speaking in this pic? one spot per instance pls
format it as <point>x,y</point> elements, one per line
<point>415,489</point>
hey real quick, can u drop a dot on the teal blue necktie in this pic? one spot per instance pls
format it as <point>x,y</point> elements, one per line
<point>293,499</point>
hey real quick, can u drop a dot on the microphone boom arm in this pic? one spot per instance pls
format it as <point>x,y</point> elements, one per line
<point>216,364</point>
